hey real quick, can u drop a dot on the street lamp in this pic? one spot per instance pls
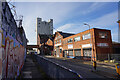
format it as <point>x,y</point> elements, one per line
<point>90,39</point>
<point>94,62</point>
<point>87,25</point>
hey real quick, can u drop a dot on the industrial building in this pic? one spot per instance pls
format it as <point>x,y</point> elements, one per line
<point>44,27</point>
<point>44,31</point>
<point>90,43</point>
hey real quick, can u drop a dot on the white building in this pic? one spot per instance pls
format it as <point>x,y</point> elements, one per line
<point>44,28</point>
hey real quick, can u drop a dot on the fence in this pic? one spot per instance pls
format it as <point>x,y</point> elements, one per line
<point>55,70</point>
<point>115,57</point>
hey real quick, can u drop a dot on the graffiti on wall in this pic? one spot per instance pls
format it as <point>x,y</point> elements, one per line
<point>0,53</point>
<point>12,53</point>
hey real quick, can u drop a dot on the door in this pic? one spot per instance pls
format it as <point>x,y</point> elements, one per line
<point>70,52</point>
<point>77,52</point>
<point>57,51</point>
<point>65,53</point>
<point>87,52</point>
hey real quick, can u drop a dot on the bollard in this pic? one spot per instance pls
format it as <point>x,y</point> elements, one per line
<point>118,68</point>
<point>94,65</point>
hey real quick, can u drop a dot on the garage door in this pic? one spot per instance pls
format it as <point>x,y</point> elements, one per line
<point>87,52</point>
<point>70,52</point>
<point>77,52</point>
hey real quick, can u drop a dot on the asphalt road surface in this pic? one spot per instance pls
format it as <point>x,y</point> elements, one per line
<point>86,70</point>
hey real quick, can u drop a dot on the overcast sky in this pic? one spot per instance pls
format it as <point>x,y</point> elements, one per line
<point>69,16</point>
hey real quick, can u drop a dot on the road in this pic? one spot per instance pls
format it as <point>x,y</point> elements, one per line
<point>86,70</point>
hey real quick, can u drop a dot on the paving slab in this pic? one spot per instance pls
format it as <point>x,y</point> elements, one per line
<point>31,69</point>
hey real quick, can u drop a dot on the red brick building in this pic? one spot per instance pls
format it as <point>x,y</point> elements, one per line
<point>116,47</point>
<point>45,43</point>
<point>90,43</point>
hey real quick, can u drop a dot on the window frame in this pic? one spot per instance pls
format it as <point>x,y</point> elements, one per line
<point>89,37</point>
<point>101,34</point>
<point>76,38</point>
<point>69,40</point>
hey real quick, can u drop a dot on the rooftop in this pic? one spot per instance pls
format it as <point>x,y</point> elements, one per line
<point>118,21</point>
<point>65,34</point>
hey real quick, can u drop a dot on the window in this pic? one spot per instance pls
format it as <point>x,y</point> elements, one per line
<point>77,39</point>
<point>60,50</point>
<point>103,35</point>
<point>57,35</point>
<point>86,36</point>
<point>64,42</point>
<point>70,40</point>
<point>60,41</point>
<point>48,42</point>
<point>70,52</point>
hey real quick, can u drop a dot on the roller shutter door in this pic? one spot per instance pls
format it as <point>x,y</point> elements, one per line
<point>70,52</point>
<point>87,52</point>
<point>77,52</point>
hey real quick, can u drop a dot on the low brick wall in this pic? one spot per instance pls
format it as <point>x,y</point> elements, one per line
<point>55,70</point>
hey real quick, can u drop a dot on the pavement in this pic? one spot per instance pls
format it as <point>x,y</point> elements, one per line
<point>32,70</point>
<point>85,68</point>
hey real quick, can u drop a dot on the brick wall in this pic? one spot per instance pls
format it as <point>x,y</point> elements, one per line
<point>57,42</point>
<point>99,45</point>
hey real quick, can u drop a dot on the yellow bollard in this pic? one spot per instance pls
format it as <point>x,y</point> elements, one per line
<point>117,68</point>
<point>94,65</point>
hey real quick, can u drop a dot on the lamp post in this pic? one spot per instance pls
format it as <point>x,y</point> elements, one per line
<point>91,37</point>
<point>94,62</point>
